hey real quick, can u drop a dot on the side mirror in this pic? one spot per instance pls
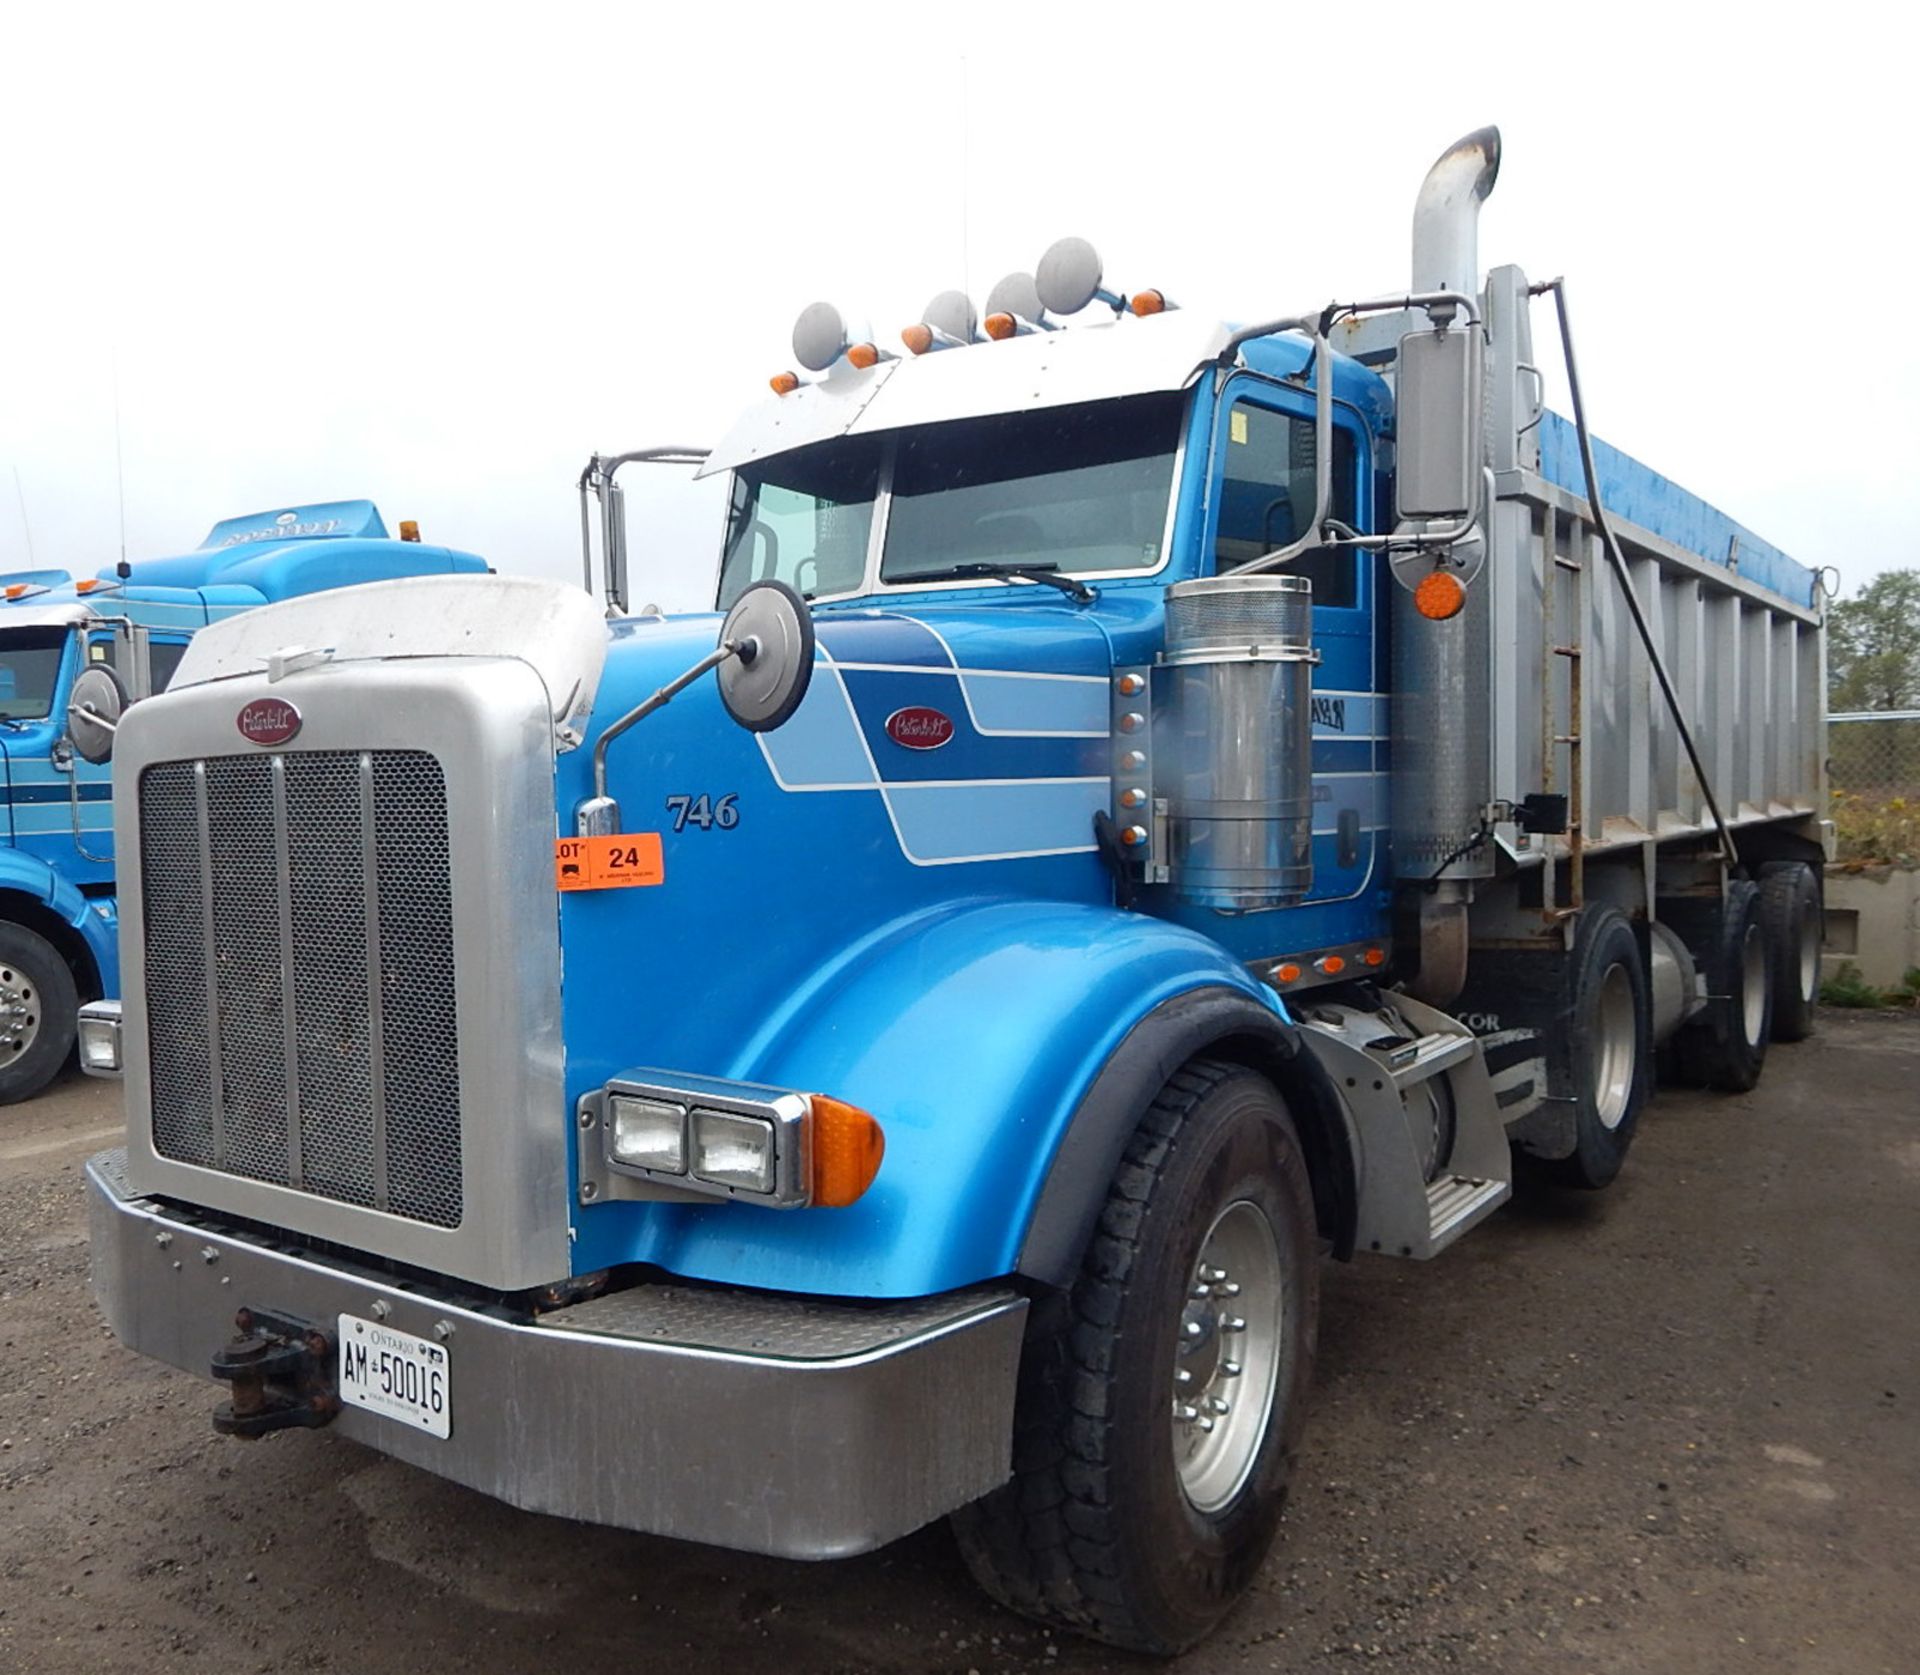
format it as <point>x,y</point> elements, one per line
<point>94,709</point>
<point>771,633</point>
<point>1438,428</point>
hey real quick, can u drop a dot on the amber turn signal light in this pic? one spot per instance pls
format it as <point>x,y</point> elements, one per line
<point>1148,302</point>
<point>847,1149</point>
<point>918,338</point>
<point>1439,596</point>
<point>863,355</point>
<point>784,383</point>
<point>998,326</point>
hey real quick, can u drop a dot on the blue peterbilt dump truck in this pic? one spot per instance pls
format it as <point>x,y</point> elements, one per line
<point>1159,802</point>
<point>128,625</point>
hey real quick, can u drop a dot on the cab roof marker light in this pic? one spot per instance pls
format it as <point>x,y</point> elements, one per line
<point>925,338</point>
<point>785,383</point>
<point>865,355</point>
<point>1144,303</point>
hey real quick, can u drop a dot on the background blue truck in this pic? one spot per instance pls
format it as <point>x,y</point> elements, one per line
<point>58,944</point>
<point>1166,800</point>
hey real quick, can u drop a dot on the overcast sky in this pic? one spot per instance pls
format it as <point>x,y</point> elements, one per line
<point>436,255</point>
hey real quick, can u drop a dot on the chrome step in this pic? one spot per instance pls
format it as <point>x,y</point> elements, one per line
<point>1414,1061</point>
<point>1400,1212</point>
<point>1457,1202</point>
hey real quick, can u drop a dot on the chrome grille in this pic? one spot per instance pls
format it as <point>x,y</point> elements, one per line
<point>300,981</point>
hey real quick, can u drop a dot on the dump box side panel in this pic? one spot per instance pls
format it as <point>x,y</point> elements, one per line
<point>1577,707</point>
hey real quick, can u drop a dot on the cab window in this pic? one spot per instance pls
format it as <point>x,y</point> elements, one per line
<point>802,518</point>
<point>1266,498</point>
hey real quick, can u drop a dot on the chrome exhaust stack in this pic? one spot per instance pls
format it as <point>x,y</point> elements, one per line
<point>1446,215</point>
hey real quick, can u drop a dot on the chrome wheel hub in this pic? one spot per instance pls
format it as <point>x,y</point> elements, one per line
<point>19,1014</point>
<point>1810,958</point>
<point>1753,984</point>
<point>1226,1367</point>
<point>1616,1048</point>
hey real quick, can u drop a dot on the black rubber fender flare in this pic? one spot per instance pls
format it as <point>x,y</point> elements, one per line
<point>1215,1022</point>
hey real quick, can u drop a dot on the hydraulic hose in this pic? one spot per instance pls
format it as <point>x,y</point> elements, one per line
<point>1618,560</point>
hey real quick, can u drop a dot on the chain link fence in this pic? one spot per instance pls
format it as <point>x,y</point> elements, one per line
<point>1873,759</point>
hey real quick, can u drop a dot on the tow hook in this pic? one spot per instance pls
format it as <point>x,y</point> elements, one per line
<point>281,1371</point>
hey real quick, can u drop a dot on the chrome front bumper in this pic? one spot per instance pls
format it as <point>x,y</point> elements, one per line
<point>797,1427</point>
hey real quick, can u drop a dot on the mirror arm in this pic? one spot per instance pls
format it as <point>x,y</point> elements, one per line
<point>601,815</point>
<point>93,715</point>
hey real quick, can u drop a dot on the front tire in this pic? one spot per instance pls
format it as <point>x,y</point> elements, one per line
<point>38,1012</point>
<point>1162,1399</point>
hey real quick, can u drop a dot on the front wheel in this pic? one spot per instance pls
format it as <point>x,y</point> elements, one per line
<point>1162,1399</point>
<point>38,1007</point>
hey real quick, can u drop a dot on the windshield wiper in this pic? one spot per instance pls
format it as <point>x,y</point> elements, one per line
<point>1072,586</point>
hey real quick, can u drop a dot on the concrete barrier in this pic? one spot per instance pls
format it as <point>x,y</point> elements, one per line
<point>1873,922</point>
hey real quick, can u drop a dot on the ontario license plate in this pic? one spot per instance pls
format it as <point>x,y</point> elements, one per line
<point>395,1374</point>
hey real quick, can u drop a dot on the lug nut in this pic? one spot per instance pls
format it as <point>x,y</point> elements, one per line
<point>1232,1323</point>
<point>1185,1412</point>
<point>1230,1369</point>
<point>1182,1376</point>
<point>1194,1329</point>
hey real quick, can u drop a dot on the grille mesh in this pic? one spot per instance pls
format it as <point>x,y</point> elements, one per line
<point>308,874</point>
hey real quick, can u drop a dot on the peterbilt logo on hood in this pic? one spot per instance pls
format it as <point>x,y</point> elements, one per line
<point>269,721</point>
<point>919,728</point>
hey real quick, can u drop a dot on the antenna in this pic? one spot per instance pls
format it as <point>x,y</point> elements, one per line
<point>26,527</point>
<point>966,191</point>
<point>119,469</point>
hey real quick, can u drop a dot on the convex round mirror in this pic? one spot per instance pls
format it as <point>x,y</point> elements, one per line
<point>1068,276</point>
<point>819,336</point>
<point>94,710</point>
<point>1016,295</point>
<point>763,683</point>
<point>952,312</point>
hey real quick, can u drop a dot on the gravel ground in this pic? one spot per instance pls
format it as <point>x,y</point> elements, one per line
<point>1672,1427</point>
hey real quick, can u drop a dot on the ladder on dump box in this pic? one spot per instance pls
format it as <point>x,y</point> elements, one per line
<point>1393,1066</point>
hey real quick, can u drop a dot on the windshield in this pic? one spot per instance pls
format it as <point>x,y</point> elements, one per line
<point>802,518</point>
<point>1080,489</point>
<point>1068,488</point>
<point>29,671</point>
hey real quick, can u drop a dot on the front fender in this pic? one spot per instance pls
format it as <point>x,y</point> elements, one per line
<point>92,919</point>
<point>973,1033</point>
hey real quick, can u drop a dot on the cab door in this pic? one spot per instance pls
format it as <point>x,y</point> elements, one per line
<point>1265,498</point>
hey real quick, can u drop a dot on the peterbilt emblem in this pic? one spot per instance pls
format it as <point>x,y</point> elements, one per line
<point>269,721</point>
<point>919,728</point>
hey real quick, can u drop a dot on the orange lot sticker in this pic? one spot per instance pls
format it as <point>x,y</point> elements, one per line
<point>607,863</point>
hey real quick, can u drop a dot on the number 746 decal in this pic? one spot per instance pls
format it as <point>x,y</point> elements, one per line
<point>704,812</point>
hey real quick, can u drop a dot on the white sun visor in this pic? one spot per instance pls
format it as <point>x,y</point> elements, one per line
<point>1041,369</point>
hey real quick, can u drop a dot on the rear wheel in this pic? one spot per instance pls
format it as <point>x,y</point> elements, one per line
<point>1725,1044</point>
<point>38,1004</point>
<point>1610,1047</point>
<point>1161,1400</point>
<point>1790,910</point>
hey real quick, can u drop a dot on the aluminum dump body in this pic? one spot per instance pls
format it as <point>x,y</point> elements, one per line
<point>1571,701</point>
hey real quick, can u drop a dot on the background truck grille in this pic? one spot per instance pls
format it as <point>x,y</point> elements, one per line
<point>299,974</point>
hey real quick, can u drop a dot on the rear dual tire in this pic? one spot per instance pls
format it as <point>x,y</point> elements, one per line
<point>1724,1045</point>
<point>1790,910</point>
<point>1609,1047</point>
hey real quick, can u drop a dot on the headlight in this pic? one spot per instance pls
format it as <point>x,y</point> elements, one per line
<point>740,1140</point>
<point>734,1151</point>
<point>648,1134</point>
<point>99,1033</point>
